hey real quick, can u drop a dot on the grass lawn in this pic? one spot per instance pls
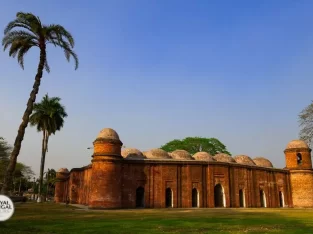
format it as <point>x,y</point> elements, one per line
<point>55,218</point>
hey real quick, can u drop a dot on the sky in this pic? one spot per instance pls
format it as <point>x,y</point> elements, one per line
<point>240,71</point>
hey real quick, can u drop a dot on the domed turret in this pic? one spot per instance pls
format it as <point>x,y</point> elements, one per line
<point>157,154</point>
<point>107,153</point>
<point>108,144</point>
<point>108,133</point>
<point>61,176</point>
<point>244,159</point>
<point>224,158</point>
<point>181,155</point>
<point>62,173</point>
<point>203,156</point>
<point>132,153</point>
<point>298,155</point>
<point>298,161</point>
<point>297,144</point>
<point>262,162</point>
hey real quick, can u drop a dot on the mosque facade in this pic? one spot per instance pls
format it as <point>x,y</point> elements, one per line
<point>129,178</point>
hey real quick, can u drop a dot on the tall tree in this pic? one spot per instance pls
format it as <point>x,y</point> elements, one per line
<point>306,124</point>
<point>48,116</point>
<point>196,144</point>
<point>20,35</point>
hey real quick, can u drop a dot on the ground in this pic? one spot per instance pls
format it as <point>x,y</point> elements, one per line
<point>57,218</point>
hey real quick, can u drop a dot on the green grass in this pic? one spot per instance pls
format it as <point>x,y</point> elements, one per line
<point>54,218</point>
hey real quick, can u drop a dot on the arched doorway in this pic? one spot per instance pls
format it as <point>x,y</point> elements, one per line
<point>140,197</point>
<point>262,198</point>
<point>241,198</point>
<point>169,198</point>
<point>281,199</point>
<point>219,196</point>
<point>195,198</point>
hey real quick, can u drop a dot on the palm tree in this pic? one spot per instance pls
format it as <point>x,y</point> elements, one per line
<point>48,116</point>
<point>20,35</point>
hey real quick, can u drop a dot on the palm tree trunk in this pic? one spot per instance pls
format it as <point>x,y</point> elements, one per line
<point>42,163</point>
<point>21,131</point>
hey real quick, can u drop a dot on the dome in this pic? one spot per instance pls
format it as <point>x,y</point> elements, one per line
<point>294,144</point>
<point>157,154</point>
<point>132,153</point>
<point>181,155</point>
<point>63,170</point>
<point>224,158</point>
<point>262,162</point>
<point>203,156</point>
<point>108,133</point>
<point>244,159</point>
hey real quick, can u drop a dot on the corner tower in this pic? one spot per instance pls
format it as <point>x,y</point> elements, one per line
<point>299,163</point>
<point>60,194</point>
<point>105,185</point>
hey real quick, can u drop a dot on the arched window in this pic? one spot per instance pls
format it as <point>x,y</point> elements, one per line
<point>281,199</point>
<point>242,202</point>
<point>169,198</point>
<point>262,198</point>
<point>140,197</point>
<point>219,196</point>
<point>195,198</point>
<point>299,158</point>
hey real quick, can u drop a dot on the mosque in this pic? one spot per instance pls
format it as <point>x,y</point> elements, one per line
<point>129,178</point>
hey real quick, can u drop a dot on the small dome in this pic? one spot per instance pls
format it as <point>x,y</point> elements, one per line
<point>203,156</point>
<point>224,158</point>
<point>132,153</point>
<point>108,133</point>
<point>181,155</point>
<point>262,162</point>
<point>294,144</point>
<point>244,159</point>
<point>157,154</point>
<point>63,170</point>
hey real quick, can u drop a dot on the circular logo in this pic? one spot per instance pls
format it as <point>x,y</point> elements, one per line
<point>6,208</point>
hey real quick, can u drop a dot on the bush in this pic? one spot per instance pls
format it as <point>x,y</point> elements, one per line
<point>18,198</point>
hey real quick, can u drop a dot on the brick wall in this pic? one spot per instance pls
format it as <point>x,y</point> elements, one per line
<point>114,183</point>
<point>302,188</point>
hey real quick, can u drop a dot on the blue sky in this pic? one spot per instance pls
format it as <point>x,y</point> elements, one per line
<point>240,71</point>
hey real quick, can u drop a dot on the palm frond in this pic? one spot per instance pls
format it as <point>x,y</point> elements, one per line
<point>31,20</point>
<point>58,32</point>
<point>8,41</point>
<point>17,23</point>
<point>21,53</point>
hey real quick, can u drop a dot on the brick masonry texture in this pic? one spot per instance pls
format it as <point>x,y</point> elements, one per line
<point>112,181</point>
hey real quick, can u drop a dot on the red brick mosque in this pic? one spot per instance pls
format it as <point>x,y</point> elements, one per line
<point>129,178</point>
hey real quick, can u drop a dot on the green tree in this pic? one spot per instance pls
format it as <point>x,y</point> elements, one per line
<point>196,144</point>
<point>21,173</point>
<point>20,35</point>
<point>306,124</point>
<point>48,117</point>
<point>21,176</point>
<point>5,150</point>
<point>50,181</point>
